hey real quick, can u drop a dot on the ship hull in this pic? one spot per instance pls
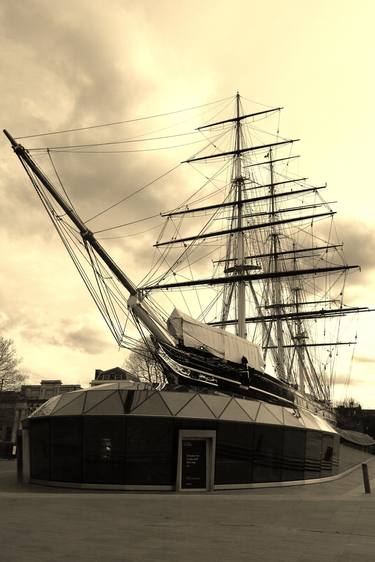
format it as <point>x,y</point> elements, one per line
<point>205,372</point>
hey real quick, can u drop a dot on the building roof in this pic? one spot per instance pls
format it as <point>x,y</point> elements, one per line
<point>115,374</point>
<point>142,399</point>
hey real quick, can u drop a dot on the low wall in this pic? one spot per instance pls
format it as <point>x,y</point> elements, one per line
<point>349,456</point>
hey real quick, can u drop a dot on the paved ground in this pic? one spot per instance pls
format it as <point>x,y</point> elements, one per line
<point>319,523</point>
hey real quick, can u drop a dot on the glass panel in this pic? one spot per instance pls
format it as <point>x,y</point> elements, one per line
<point>336,454</point>
<point>151,451</point>
<point>176,400</point>
<point>234,453</point>
<point>309,420</point>
<point>66,398</point>
<point>313,454</point>
<point>154,406</point>
<point>268,448</point>
<point>104,450</point>
<point>110,406</point>
<point>195,423</point>
<point>277,411</point>
<point>39,449</point>
<point>127,398</point>
<point>74,408</point>
<point>292,419</point>
<point>66,449</point>
<point>234,412</point>
<point>265,416</point>
<point>294,454</point>
<point>136,398</point>
<point>47,408</point>
<point>327,455</point>
<point>251,407</point>
<point>196,408</point>
<point>216,403</point>
<point>94,398</point>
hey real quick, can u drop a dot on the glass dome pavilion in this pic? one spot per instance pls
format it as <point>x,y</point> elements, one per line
<point>126,435</point>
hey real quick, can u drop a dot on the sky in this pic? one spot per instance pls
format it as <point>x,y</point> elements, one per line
<point>80,63</point>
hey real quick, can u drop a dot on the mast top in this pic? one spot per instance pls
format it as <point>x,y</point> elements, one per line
<point>12,141</point>
<point>239,118</point>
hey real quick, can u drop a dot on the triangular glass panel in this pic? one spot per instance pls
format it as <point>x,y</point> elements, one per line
<point>153,406</point>
<point>265,416</point>
<point>65,399</point>
<point>47,408</point>
<point>215,403</point>
<point>251,407</point>
<point>277,411</point>
<point>196,408</point>
<point>110,406</point>
<point>124,395</point>
<point>74,408</point>
<point>139,396</point>
<point>309,420</point>
<point>93,398</point>
<point>176,400</point>
<point>291,418</point>
<point>234,412</point>
<point>53,403</point>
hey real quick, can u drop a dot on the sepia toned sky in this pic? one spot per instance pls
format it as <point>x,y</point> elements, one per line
<point>78,63</point>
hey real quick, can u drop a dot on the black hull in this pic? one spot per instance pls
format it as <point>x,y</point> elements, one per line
<point>200,370</point>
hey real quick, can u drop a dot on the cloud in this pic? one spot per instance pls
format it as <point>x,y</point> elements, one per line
<point>368,360</point>
<point>85,339</point>
<point>39,330</point>
<point>60,89</point>
<point>359,244</point>
<point>355,380</point>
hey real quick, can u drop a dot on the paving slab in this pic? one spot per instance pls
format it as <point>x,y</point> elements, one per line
<point>327,522</point>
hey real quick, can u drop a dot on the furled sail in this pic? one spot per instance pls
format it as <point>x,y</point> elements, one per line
<point>194,334</point>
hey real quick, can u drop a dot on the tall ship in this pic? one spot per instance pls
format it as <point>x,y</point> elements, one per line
<point>241,315</point>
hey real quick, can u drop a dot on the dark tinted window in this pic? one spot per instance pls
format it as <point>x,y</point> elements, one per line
<point>104,450</point>
<point>327,455</point>
<point>268,448</point>
<point>294,454</point>
<point>150,451</point>
<point>336,454</point>
<point>39,449</point>
<point>184,423</point>
<point>313,454</point>
<point>66,449</point>
<point>234,453</point>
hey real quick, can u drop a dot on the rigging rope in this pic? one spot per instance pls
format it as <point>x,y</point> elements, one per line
<point>127,197</point>
<point>134,150</point>
<point>59,179</point>
<point>109,143</point>
<point>148,117</point>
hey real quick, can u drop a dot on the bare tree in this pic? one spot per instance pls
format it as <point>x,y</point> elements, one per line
<point>142,362</point>
<point>11,377</point>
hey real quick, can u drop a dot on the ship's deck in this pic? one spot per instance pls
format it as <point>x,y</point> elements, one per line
<point>322,522</point>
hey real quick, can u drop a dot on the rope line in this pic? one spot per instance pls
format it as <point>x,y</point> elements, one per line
<point>146,118</point>
<point>133,193</point>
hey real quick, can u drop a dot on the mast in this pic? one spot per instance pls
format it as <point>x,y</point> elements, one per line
<point>276,281</point>
<point>140,309</point>
<point>240,246</point>
<point>300,336</point>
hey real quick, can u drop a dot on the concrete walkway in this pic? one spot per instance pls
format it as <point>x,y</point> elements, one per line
<point>317,523</point>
